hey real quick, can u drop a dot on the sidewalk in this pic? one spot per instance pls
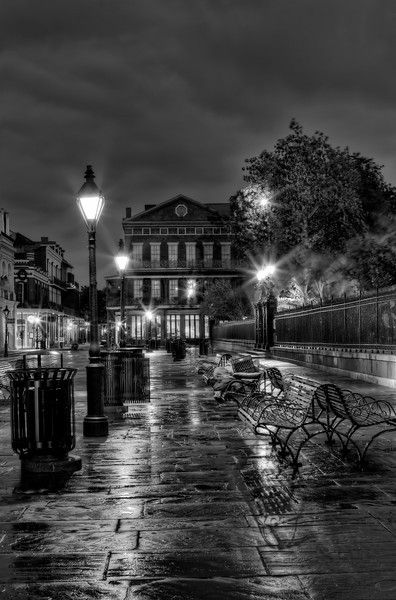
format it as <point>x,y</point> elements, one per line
<point>183,502</point>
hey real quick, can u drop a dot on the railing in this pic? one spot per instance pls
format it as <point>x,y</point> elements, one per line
<point>235,330</point>
<point>187,264</point>
<point>367,321</point>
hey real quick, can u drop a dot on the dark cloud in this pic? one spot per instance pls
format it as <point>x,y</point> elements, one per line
<point>169,96</point>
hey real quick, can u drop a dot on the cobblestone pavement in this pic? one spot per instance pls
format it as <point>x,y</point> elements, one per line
<point>183,501</point>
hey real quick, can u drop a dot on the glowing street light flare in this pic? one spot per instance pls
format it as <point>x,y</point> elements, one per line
<point>265,272</point>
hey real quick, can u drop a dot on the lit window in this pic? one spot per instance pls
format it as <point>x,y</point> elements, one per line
<point>155,254</point>
<point>155,289</point>
<point>138,289</point>
<point>173,289</point>
<point>137,253</point>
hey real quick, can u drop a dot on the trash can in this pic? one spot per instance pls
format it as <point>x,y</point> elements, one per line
<point>203,347</point>
<point>126,378</point>
<point>135,376</point>
<point>178,349</point>
<point>42,419</point>
<point>111,380</point>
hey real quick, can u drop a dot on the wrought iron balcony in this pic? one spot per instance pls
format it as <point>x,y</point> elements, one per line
<point>187,264</point>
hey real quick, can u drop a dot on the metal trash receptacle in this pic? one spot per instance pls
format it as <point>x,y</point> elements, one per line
<point>126,378</point>
<point>42,419</point>
<point>111,380</point>
<point>178,349</point>
<point>203,347</point>
<point>135,376</point>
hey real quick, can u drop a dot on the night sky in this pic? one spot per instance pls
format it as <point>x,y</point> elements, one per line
<point>170,96</point>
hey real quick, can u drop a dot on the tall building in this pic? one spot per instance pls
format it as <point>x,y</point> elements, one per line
<point>47,315</point>
<point>7,293</point>
<point>176,248</point>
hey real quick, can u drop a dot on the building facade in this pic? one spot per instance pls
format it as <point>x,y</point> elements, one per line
<point>47,313</point>
<point>176,249</point>
<point>7,292</point>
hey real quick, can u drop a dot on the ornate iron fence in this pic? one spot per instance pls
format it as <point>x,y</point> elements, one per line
<point>235,330</point>
<point>367,321</point>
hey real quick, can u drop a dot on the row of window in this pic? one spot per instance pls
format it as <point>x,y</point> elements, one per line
<point>139,327</point>
<point>173,252</point>
<point>180,230</point>
<point>173,289</point>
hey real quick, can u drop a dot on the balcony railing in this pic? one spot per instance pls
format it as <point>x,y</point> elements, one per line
<point>187,264</point>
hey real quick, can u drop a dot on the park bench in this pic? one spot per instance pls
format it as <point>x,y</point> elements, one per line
<point>282,418</point>
<point>307,409</point>
<point>269,385</point>
<point>242,370</point>
<point>206,368</point>
<point>350,413</point>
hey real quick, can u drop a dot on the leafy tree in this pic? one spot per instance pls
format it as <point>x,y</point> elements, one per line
<point>322,197</point>
<point>223,303</point>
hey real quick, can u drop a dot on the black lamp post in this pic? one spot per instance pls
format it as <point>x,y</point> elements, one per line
<point>6,312</point>
<point>122,260</point>
<point>90,202</point>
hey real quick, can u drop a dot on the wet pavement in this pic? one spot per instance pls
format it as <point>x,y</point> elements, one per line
<point>183,501</point>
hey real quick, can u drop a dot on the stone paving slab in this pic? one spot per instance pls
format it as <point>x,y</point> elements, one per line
<point>189,563</point>
<point>219,588</point>
<point>66,537</point>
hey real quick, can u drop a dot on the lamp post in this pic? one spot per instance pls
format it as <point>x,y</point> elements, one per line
<point>122,260</point>
<point>6,313</point>
<point>90,202</point>
<point>266,318</point>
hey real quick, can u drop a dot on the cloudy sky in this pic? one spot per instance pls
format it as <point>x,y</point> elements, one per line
<point>170,96</point>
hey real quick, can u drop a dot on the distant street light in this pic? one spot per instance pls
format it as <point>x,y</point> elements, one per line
<point>265,272</point>
<point>6,313</point>
<point>90,202</point>
<point>122,260</point>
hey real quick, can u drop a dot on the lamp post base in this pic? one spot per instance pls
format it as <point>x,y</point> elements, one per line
<point>95,426</point>
<point>95,422</point>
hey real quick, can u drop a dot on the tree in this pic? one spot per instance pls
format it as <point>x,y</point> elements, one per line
<point>321,198</point>
<point>223,303</point>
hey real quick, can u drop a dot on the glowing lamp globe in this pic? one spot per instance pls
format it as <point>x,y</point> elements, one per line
<point>90,200</point>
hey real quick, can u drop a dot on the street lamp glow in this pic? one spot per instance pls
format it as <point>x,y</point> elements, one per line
<point>265,272</point>
<point>149,315</point>
<point>264,199</point>
<point>121,261</point>
<point>90,200</point>
<point>191,286</point>
<point>34,319</point>
<point>122,258</point>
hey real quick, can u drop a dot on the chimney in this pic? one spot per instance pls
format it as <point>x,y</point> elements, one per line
<point>6,222</point>
<point>128,213</point>
<point>44,240</point>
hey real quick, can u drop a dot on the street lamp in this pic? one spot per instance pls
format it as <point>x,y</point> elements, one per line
<point>6,313</point>
<point>90,202</point>
<point>122,260</point>
<point>265,272</point>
